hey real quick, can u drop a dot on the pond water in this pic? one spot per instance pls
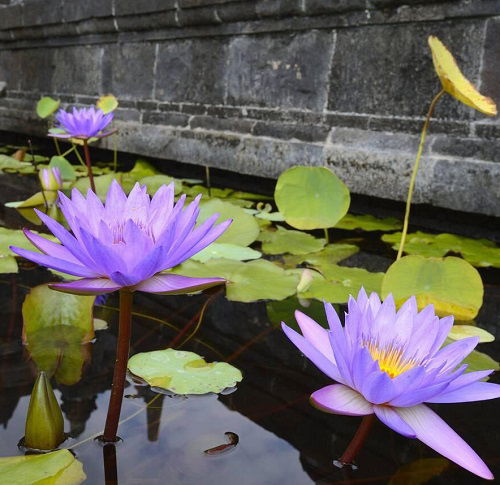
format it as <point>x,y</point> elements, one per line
<point>281,437</point>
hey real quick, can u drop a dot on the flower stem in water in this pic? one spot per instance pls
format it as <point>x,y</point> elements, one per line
<point>89,164</point>
<point>357,442</point>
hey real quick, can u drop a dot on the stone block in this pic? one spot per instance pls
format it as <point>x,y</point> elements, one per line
<point>95,26</point>
<point>489,81</point>
<point>488,129</point>
<point>237,12</point>
<point>134,7</point>
<point>203,3</point>
<point>128,70</point>
<point>237,125</point>
<point>74,10</point>
<point>474,148</point>
<point>78,70</point>
<point>291,131</point>
<point>36,69</point>
<point>42,12</point>
<point>151,21</point>
<point>191,71</point>
<point>287,70</point>
<point>278,8</point>
<point>165,118</point>
<point>388,69</point>
<point>193,109</point>
<point>198,16</point>
<point>11,16</point>
<point>317,7</point>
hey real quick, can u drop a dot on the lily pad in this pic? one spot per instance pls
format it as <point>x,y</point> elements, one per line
<point>478,361</point>
<point>458,332</point>
<point>285,241</point>
<point>337,283</point>
<point>107,103</point>
<point>228,251</point>
<point>284,311</point>
<point>451,284</point>
<point>330,254</point>
<point>183,372</point>
<point>246,282</point>
<point>46,106</point>
<point>102,183</point>
<point>154,182</point>
<point>143,169</point>
<point>10,164</point>
<point>67,170</point>
<point>368,222</point>
<point>242,231</point>
<point>311,197</point>
<point>56,468</point>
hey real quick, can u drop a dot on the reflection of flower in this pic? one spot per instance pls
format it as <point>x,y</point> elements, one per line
<point>389,363</point>
<point>454,82</point>
<point>82,123</point>
<point>125,243</point>
<point>50,178</point>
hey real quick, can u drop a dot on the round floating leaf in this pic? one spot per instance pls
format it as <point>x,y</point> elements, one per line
<point>228,251</point>
<point>67,170</point>
<point>451,284</point>
<point>284,311</point>
<point>57,468</point>
<point>458,332</point>
<point>107,103</point>
<point>102,183</point>
<point>183,372</point>
<point>478,361</point>
<point>286,241</point>
<point>339,282</point>
<point>46,106</point>
<point>142,169</point>
<point>311,197</point>
<point>331,254</point>
<point>368,223</point>
<point>154,182</point>
<point>11,165</point>
<point>242,231</point>
<point>454,82</point>
<point>246,282</point>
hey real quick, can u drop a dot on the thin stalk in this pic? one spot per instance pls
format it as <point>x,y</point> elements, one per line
<point>357,442</point>
<point>77,153</point>
<point>327,237</point>
<point>415,172</point>
<point>56,143</point>
<point>89,164</point>
<point>120,372</point>
<point>45,202</point>
<point>67,152</point>
<point>207,178</point>
<point>115,154</point>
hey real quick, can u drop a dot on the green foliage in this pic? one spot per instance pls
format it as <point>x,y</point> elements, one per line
<point>46,106</point>
<point>479,361</point>
<point>464,331</point>
<point>107,103</point>
<point>12,165</point>
<point>478,252</point>
<point>154,182</point>
<point>67,170</point>
<point>227,251</point>
<point>368,223</point>
<point>285,241</point>
<point>284,311</point>
<point>311,197</point>
<point>451,284</point>
<point>183,372</point>
<point>330,254</point>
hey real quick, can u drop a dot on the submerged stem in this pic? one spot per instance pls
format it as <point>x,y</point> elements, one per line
<point>122,350</point>
<point>415,172</point>
<point>357,442</point>
<point>89,165</point>
<point>207,178</point>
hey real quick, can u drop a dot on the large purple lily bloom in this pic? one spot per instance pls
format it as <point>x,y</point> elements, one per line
<point>390,363</point>
<point>126,242</point>
<point>83,123</point>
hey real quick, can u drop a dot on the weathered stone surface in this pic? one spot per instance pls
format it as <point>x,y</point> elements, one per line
<point>42,12</point>
<point>279,8</point>
<point>132,7</point>
<point>315,7</point>
<point>222,124</point>
<point>388,69</point>
<point>150,21</point>
<point>118,75</point>
<point>286,70</point>
<point>179,76</point>
<point>77,10</point>
<point>11,16</point>
<point>490,82</point>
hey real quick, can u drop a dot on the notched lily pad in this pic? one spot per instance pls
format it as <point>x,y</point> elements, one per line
<point>183,372</point>
<point>285,241</point>
<point>330,254</point>
<point>368,222</point>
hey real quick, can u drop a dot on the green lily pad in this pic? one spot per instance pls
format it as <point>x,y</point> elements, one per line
<point>478,252</point>
<point>284,311</point>
<point>67,170</point>
<point>246,282</point>
<point>107,103</point>
<point>10,164</point>
<point>242,231</point>
<point>478,361</point>
<point>458,332</point>
<point>46,106</point>
<point>143,169</point>
<point>154,182</point>
<point>183,372</point>
<point>368,223</point>
<point>56,468</point>
<point>285,241</point>
<point>337,283</point>
<point>451,284</point>
<point>102,184</point>
<point>330,254</point>
<point>228,251</point>
<point>215,193</point>
<point>311,197</point>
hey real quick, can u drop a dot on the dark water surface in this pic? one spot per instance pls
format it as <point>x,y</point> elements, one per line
<point>282,438</point>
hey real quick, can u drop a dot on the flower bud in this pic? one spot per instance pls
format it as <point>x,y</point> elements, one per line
<point>44,423</point>
<point>50,178</point>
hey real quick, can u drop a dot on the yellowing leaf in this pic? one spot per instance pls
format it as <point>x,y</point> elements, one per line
<point>454,82</point>
<point>458,332</point>
<point>107,103</point>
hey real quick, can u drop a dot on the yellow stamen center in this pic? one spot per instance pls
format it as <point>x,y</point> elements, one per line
<point>390,359</point>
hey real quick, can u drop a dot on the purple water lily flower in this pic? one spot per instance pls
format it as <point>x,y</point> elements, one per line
<point>126,242</point>
<point>390,363</point>
<point>82,123</point>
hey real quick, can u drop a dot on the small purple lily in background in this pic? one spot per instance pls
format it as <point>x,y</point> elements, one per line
<point>83,124</point>
<point>388,363</point>
<point>124,245</point>
<point>50,178</point>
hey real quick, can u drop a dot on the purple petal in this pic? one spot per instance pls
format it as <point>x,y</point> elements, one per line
<point>418,396</point>
<point>391,418</point>
<point>316,334</point>
<point>454,353</point>
<point>340,399</point>
<point>87,286</point>
<point>478,391</point>
<point>313,354</point>
<point>434,432</point>
<point>49,247</point>
<point>378,387</point>
<point>55,263</point>
<point>173,284</point>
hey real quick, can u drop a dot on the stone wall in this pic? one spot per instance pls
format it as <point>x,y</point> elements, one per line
<point>257,86</point>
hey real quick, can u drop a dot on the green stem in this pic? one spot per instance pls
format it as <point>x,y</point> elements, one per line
<point>77,153</point>
<point>120,372</point>
<point>115,154</point>
<point>415,172</point>
<point>89,165</point>
<point>56,143</point>
<point>327,237</point>
<point>357,442</point>
<point>67,152</point>
<point>207,178</point>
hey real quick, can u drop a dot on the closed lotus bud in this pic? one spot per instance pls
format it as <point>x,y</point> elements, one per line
<point>44,423</point>
<point>50,178</point>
